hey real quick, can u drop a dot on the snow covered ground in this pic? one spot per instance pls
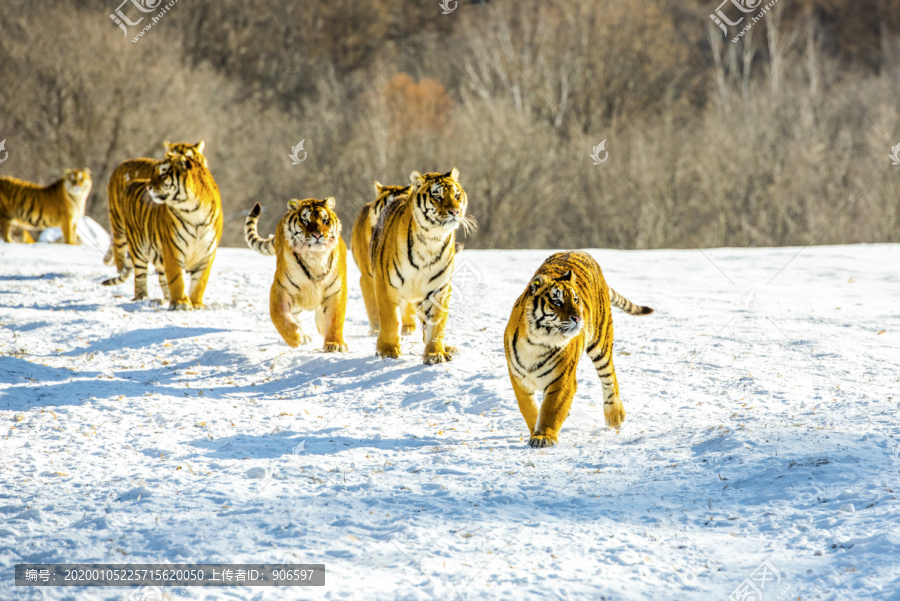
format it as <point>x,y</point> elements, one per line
<point>762,426</point>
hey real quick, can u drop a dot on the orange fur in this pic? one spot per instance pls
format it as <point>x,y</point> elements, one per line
<point>564,312</point>
<point>310,271</point>
<point>30,206</point>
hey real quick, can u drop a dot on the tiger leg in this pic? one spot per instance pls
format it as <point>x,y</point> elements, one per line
<point>5,229</point>
<point>408,318</point>
<point>554,410</point>
<point>387,299</point>
<point>527,405</point>
<point>140,277</point>
<point>332,317</point>
<point>162,283</point>
<point>367,284</point>
<point>174,268</point>
<point>69,231</point>
<point>199,279</point>
<point>613,409</point>
<point>434,314</point>
<point>283,317</point>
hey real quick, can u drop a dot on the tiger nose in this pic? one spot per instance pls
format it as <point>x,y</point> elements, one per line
<point>577,319</point>
<point>454,212</point>
<point>317,235</point>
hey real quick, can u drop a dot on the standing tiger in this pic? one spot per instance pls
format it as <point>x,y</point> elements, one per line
<point>360,239</point>
<point>30,206</point>
<point>310,270</point>
<point>126,173</point>
<point>564,312</point>
<point>173,221</point>
<point>412,251</point>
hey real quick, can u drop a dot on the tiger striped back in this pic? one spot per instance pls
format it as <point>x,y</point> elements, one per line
<point>564,311</point>
<point>31,206</point>
<point>173,221</point>
<point>360,238</point>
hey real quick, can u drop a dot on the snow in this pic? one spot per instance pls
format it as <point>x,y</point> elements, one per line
<point>762,426</point>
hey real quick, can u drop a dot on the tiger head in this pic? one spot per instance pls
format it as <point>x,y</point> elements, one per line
<point>385,195</point>
<point>557,314</point>
<point>440,201</point>
<point>190,151</point>
<point>77,182</point>
<point>178,181</point>
<point>312,225</point>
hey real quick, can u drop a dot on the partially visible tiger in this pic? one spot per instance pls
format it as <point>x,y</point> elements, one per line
<point>310,271</point>
<point>173,221</point>
<point>412,251</point>
<point>360,238</point>
<point>31,206</point>
<point>564,312</point>
<point>127,172</point>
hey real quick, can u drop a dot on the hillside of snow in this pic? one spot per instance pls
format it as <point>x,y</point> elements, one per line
<point>762,427</point>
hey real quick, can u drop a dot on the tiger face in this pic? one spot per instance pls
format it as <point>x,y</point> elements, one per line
<point>440,200</point>
<point>77,182</point>
<point>557,313</point>
<point>166,186</point>
<point>189,151</point>
<point>312,225</point>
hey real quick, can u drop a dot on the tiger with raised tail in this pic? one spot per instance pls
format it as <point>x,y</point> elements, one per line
<point>132,170</point>
<point>360,239</point>
<point>310,270</point>
<point>564,312</point>
<point>174,222</point>
<point>412,251</point>
<point>31,206</point>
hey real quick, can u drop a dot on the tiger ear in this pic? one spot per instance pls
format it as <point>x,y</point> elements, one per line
<point>415,178</point>
<point>330,202</point>
<point>168,145</point>
<point>378,187</point>
<point>199,146</point>
<point>536,283</point>
<point>454,174</point>
<point>293,204</point>
<point>87,170</point>
<point>568,276</point>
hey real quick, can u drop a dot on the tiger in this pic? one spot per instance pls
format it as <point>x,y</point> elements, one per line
<point>360,238</point>
<point>129,171</point>
<point>564,311</point>
<point>31,206</point>
<point>412,252</point>
<point>310,271</point>
<point>174,221</point>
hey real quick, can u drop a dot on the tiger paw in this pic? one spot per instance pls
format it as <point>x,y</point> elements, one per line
<point>335,347</point>
<point>434,358</point>
<point>614,414</point>
<point>138,297</point>
<point>184,305</point>
<point>373,331</point>
<point>388,351</point>
<point>451,350</point>
<point>198,306</point>
<point>541,441</point>
<point>408,330</point>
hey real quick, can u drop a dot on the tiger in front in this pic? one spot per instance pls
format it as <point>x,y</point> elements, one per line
<point>174,222</point>
<point>412,252</point>
<point>31,206</point>
<point>127,172</point>
<point>310,271</point>
<point>564,312</point>
<point>360,239</point>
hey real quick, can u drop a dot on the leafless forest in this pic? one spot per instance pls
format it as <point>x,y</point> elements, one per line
<point>781,138</point>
